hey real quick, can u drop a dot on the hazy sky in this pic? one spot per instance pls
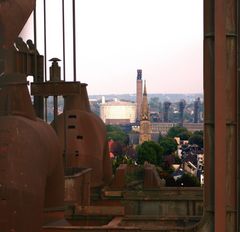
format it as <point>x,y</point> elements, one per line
<point>164,38</point>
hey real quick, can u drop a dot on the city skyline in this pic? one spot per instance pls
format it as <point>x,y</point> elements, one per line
<point>115,38</point>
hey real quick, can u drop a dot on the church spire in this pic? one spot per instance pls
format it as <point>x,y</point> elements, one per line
<point>145,125</point>
<point>145,109</point>
<point>145,89</point>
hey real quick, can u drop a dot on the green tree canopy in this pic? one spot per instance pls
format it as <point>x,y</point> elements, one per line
<point>117,134</point>
<point>197,138</point>
<point>151,152</point>
<point>168,144</point>
<point>200,132</point>
<point>179,131</point>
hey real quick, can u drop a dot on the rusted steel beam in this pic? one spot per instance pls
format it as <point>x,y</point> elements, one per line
<point>74,41</point>
<point>63,37</point>
<point>231,114</point>
<point>238,116</point>
<point>209,113</point>
<point>55,88</point>
<point>220,115</point>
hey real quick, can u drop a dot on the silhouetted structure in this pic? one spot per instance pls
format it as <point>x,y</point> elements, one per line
<point>166,106</point>
<point>182,105</point>
<point>139,94</point>
<point>196,110</point>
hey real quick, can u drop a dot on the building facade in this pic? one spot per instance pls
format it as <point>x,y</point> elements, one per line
<point>118,112</point>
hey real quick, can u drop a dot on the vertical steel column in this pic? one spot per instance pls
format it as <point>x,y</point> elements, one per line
<point>45,109</point>
<point>65,134</point>
<point>45,57</point>
<point>38,100</point>
<point>63,35</point>
<point>35,39</point>
<point>230,84</point>
<point>220,116</point>
<point>64,78</point>
<point>55,107</point>
<point>45,39</point>
<point>209,112</point>
<point>238,117</point>
<point>74,41</point>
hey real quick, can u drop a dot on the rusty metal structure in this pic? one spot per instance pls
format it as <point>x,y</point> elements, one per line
<point>31,165</point>
<point>84,135</point>
<point>26,142</point>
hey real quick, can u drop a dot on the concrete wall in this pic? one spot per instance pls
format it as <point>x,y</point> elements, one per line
<point>167,201</point>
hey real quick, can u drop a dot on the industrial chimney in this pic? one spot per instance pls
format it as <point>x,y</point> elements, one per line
<point>182,105</point>
<point>166,106</point>
<point>139,94</point>
<point>196,110</point>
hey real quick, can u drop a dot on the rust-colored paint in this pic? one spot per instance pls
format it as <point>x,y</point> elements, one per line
<point>238,116</point>
<point>85,134</point>
<point>220,116</point>
<point>231,114</point>
<point>220,57</point>
<point>208,115</point>
<point>31,170</point>
<point>13,16</point>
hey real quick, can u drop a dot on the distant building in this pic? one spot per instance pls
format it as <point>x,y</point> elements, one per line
<point>139,94</point>
<point>193,126</point>
<point>163,127</point>
<point>196,110</point>
<point>118,112</point>
<point>145,124</point>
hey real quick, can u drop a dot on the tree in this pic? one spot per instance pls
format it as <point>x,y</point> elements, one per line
<point>117,134</point>
<point>197,139</point>
<point>168,144</point>
<point>122,159</point>
<point>151,152</point>
<point>200,132</point>
<point>179,131</point>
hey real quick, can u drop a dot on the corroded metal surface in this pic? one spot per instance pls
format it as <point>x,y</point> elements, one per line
<point>13,16</point>
<point>84,136</point>
<point>31,172</point>
<point>77,186</point>
<point>55,88</point>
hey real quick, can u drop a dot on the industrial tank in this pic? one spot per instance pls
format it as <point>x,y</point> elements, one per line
<point>84,138</point>
<point>31,170</point>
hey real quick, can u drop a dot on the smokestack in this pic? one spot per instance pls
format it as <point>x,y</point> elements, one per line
<point>139,74</point>
<point>196,110</point>
<point>182,105</point>
<point>139,94</point>
<point>166,106</point>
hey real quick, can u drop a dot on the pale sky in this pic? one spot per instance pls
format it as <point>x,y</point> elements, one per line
<point>164,38</point>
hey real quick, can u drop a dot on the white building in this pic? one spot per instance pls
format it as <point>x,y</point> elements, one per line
<point>118,112</point>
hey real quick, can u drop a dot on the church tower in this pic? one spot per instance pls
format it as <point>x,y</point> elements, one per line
<point>145,128</point>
